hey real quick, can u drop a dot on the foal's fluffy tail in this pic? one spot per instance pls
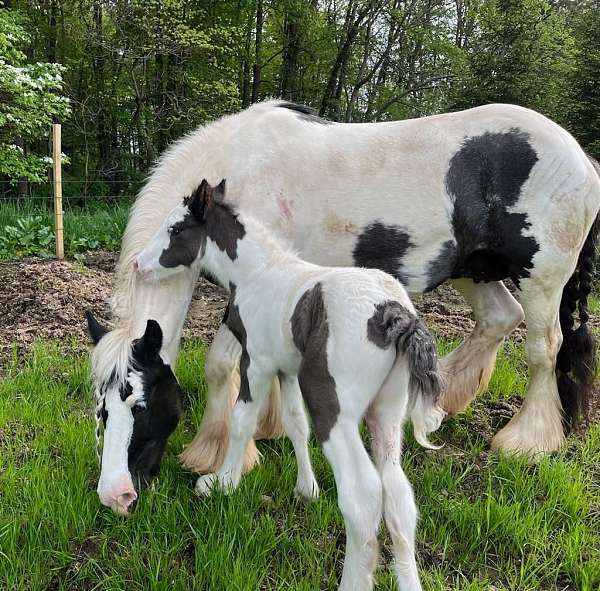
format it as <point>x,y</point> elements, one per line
<point>416,344</point>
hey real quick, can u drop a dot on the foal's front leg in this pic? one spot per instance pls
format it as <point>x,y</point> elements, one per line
<point>244,418</point>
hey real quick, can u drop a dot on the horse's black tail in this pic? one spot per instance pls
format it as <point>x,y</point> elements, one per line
<point>576,362</point>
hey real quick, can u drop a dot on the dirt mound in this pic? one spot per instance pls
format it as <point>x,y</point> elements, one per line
<point>42,298</point>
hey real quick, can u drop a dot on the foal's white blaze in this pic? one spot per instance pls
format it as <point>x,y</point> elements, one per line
<point>148,260</point>
<point>115,487</point>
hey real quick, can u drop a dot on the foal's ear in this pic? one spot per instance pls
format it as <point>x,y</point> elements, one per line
<point>96,330</point>
<point>200,200</point>
<point>218,193</point>
<point>152,340</point>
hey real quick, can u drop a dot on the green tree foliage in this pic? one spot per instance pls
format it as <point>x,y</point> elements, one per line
<point>522,52</point>
<point>585,113</point>
<point>140,73</point>
<point>30,97</point>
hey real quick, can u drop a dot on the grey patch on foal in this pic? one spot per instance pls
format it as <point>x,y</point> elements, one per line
<point>383,246</point>
<point>310,332</point>
<point>234,322</point>
<point>393,324</point>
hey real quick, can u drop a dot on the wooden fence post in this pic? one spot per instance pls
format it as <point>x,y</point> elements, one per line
<point>57,179</point>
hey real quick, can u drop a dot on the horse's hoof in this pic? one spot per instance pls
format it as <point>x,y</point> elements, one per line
<point>206,484</point>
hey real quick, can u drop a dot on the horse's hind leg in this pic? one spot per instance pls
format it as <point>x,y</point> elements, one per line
<point>385,420</point>
<point>538,427</point>
<point>469,367</point>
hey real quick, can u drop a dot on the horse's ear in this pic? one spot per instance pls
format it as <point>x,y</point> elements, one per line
<point>200,200</point>
<point>218,193</point>
<point>96,330</point>
<point>152,340</point>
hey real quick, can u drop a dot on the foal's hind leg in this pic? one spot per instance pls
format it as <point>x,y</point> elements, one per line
<point>359,498</point>
<point>537,427</point>
<point>385,420</point>
<point>469,367</point>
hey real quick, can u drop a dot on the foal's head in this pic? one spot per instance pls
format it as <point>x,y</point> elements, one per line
<point>140,409</point>
<point>200,220</point>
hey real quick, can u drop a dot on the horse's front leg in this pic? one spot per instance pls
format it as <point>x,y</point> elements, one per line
<point>469,367</point>
<point>244,419</point>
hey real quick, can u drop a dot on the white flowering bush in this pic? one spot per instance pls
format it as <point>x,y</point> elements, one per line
<point>30,99</point>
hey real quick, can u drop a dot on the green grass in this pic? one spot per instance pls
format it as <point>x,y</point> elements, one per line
<point>487,522</point>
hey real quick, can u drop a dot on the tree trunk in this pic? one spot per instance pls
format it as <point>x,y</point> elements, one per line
<point>330,105</point>
<point>246,84</point>
<point>292,39</point>
<point>257,68</point>
<point>102,133</point>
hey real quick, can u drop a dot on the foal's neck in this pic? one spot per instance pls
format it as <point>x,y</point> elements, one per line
<point>259,256</point>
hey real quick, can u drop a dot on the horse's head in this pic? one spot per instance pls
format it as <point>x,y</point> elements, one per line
<point>181,241</point>
<point>140,407</point>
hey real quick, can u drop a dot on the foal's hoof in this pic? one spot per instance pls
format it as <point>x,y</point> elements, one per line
<point>206,484</point>
<point>307,491</point>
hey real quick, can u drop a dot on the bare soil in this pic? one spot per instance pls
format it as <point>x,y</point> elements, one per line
<point>46,299</point>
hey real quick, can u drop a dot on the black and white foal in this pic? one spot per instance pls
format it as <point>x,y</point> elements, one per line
<point>346,340</point>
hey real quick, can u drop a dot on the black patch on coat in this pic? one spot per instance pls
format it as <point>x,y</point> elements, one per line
<point>392,324</point>
<point>188,237</point>
<point>305,112</point>
<point>154,421</point>
<point>442,266</point>
<point>234,322</point>
<point>382,246</point>
<point>310,332</point>
<point>484,180</point>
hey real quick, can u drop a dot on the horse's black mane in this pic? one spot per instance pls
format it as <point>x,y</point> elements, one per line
<point>307,113</point>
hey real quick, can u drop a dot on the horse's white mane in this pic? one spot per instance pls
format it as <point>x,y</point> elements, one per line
<point>176,174</point>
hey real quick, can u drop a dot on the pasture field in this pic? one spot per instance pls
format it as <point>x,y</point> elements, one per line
<point>487,522</point>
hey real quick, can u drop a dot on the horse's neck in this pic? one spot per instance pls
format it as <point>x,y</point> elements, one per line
<point>259,255</point>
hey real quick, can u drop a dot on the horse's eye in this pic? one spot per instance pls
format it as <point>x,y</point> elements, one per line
<point>137,409</point>
<point>175,231</point>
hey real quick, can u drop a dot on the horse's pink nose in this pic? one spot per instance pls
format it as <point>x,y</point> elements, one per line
<point>120,496</point>
<point>124,501</point>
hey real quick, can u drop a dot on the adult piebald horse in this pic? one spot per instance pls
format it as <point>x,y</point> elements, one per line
<point>476,197</point>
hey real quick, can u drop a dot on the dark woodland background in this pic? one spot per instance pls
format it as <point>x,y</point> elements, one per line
<point>140,73</point>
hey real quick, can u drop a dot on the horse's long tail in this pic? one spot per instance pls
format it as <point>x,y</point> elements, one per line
<point>417,346</point>
<point>576,361</point>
